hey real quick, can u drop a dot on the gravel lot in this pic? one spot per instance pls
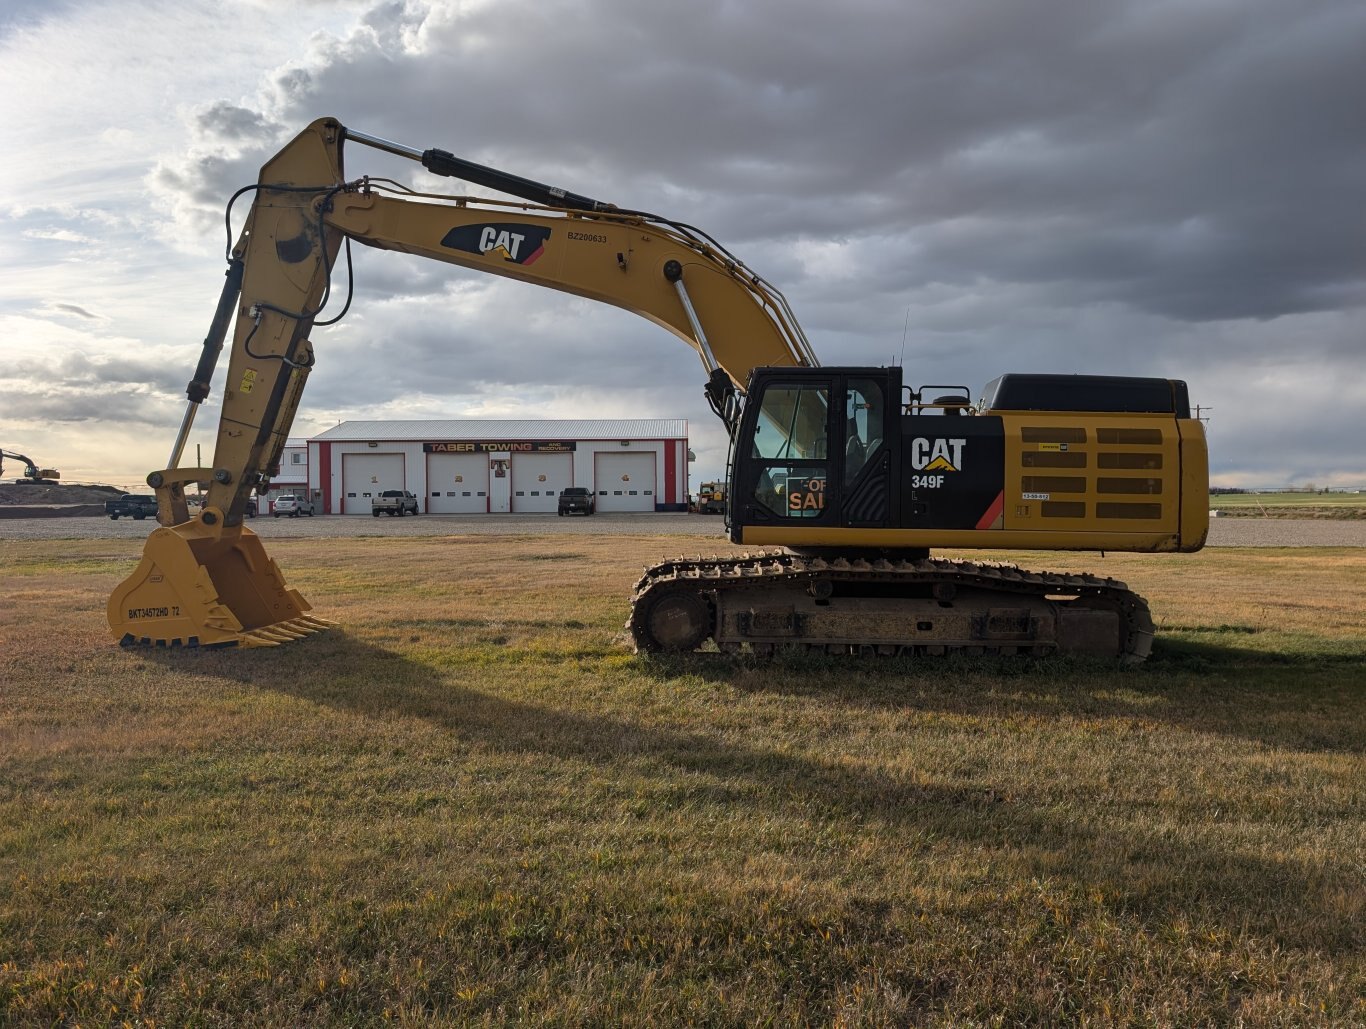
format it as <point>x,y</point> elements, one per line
<point>1224,532</point>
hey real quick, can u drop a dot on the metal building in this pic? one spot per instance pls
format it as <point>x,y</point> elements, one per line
<point>502,467</point>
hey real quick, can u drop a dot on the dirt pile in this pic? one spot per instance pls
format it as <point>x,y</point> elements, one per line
<point>12,494</point>
<point>62,500</point>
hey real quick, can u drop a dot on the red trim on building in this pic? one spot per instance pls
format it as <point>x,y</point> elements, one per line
<point>325,475</point>
<point>671,473</point>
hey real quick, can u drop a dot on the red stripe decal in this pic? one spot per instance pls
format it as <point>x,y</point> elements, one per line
<point>993,512</point>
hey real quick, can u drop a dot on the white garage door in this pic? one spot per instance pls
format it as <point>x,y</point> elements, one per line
<point>365,475</point>
<point>457,483</point>
<point>625,482</point>
<point>537,480</point>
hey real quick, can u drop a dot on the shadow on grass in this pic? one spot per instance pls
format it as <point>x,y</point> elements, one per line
<point>1305,696</point>
<point>1153,875</point>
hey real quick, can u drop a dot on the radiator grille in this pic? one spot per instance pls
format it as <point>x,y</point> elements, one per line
<point>1145,437</point>
<point>1053,484</point>
<point>1113,510</point>
<point>1114,459</point>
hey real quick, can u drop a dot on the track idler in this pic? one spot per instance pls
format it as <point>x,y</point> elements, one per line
<point>200,586</point>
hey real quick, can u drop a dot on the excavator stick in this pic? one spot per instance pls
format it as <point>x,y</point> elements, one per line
<point>208,591</point>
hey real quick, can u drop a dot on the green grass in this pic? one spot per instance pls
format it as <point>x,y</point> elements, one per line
<point>473,805</point>
<point>1299,505</point>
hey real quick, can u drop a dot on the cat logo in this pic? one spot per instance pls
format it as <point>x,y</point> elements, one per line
<point>937,455</point>
<point>512,241</point>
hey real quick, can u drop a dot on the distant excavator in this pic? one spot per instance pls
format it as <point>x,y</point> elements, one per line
<point>852,473</point>
<point>33,475</point>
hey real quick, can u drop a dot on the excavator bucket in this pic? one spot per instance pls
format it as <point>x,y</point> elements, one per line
<point>208,591</point>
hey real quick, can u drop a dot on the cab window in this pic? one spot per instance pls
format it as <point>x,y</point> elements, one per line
<point>791,441</point>
<point>792,423</point>
<point>864,421</point>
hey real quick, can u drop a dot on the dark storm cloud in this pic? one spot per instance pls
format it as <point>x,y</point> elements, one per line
<point>235,124</point>
<point>495,336</point>
<point>80,312</point>
<point>1190,160</point>
<point>1115,187</point>
<point>66,403</point>
<point>86,378</point>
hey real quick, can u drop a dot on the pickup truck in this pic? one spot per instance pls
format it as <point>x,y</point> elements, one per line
<point>139,506</point>
<point>393,502</point>
<point>576,500</point>
<point>134,505</point>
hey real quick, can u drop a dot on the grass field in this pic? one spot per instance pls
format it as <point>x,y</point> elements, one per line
<point>473,805</point>
<point>1291,505</point>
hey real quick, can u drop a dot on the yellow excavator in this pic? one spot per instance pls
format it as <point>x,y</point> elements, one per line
<point>34,474</point>
<point>844,477</point>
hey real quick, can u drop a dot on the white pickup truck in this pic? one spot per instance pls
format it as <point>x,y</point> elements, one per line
<point>393,502</point>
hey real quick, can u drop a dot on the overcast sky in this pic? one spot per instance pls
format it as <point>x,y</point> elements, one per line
<point>969,188</point>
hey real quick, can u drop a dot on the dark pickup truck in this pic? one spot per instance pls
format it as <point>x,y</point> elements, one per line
<point>144,505</point>
<point>134,505</point>
<point>576,500</point>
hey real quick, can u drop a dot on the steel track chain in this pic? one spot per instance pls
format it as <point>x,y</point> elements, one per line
<point>705,575</point>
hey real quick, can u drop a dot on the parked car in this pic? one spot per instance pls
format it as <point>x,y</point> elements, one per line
<point>393,502</point>
<point>576,500</point>
<point>293,506</point>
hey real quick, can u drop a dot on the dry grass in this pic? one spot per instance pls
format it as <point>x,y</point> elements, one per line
<point>473,805</point>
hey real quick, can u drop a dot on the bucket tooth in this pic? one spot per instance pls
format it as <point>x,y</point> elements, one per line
<point>200,587</point>
<point>290,630</point>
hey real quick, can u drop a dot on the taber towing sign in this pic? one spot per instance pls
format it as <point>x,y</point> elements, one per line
<point>471,446</point>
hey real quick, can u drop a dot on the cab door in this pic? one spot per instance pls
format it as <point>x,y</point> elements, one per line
<point>869,443</point>
<point>818,447</point>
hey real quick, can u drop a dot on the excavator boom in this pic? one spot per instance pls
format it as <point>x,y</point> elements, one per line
<point>204,578</point>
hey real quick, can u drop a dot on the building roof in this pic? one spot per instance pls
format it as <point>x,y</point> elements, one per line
<point>511,429</point>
